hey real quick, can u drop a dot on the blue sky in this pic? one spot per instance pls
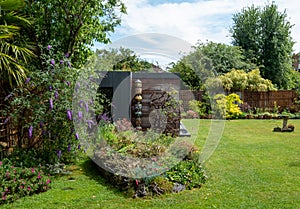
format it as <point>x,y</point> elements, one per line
<point>194,20</point>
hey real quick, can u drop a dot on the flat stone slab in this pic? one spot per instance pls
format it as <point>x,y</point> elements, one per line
<point>183,131</point>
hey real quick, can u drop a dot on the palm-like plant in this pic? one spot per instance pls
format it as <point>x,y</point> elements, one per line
<point>15,51</point>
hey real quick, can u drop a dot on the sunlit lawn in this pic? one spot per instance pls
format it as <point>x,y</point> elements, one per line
<point>252,167</point>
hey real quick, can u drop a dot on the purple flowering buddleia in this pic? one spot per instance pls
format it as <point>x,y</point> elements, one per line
<point>56,94</point>
<point>59,153</point>
<point>30,131</point>
<point>81,104</point>
<point>90,123</point>
<point>69,114</point>
<point>6,120</point>
<point>61,62</point>
<point>79,115</point>
<point>51,103</point>
<point>77,136</point>
<point>8,96</point>
<point>86,107</point>
<point>52,62</point>
<point>49,47</point>
<point>27,80</point>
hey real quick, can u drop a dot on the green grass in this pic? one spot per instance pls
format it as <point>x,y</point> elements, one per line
<point>252,167</point>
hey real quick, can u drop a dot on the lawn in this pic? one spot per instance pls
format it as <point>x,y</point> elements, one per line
<point>252,167</point>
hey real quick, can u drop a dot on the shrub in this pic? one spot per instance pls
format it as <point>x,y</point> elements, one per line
<point>16,182</point>
<point>227,106</point>
<point>41,109</point>
<point>190,114</point>
<point>198,107</point>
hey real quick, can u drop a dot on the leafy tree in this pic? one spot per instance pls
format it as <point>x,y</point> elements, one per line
<point>74,25</point>
<point>225,57</point>
<point>265,35</point>
<point>194,68</point>
<point>239,80</point>
<point>15,49</point>
<point>121,59</point>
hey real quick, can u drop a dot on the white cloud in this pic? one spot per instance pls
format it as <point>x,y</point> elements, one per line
<point>193,21</point>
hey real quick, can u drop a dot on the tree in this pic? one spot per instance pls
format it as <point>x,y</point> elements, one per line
<point>239,80</point>
<point>265,36</point>
<point>121,59</point>
<point>225,57</point>
<point>208,60</point>
<point>74,25</point>
<point>15,49</point>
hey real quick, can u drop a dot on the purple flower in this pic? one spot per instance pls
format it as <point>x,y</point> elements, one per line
<point>50,88</point>
<point>77,136</point>
<point>41,124</point>
<point>69,64</point>
<point>68,82</point>
<point>30,131</point>
<point>61,62</point>
<point>27,80</point>
<point>8,96</point>
<point>104,117</point>
<point>59,154</point>
<point>69,114</point>
<point>90,123</point>
<point>6,120</point>
<point>52,62</point>
<point>69,148</point>
<point>79,115</point>
<point>56,94</point>
<point>67,55</point>
<point>49,47</point>
<point>86,107</point>
<point>79,146</point>
<point>51,103</point>
<point>80,103</point>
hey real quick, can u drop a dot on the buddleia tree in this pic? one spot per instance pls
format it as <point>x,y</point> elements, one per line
<point>265,35</point>
<point>15,49</point>
<point>72,26</point>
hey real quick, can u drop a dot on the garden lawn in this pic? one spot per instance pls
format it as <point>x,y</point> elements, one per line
<point>252,167</point>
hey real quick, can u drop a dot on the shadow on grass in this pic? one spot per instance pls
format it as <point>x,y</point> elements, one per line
<point>90,169</point>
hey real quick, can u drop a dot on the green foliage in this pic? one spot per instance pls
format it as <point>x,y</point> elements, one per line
<point>198,106</point>
<point>187,172</point>
<point>73,25</point>
<point>239,80</point>
<point>41,110</point>
<point>265,35</point>
<point>225,57</point>
<point>120,60</point>
<point>16,182</point>
<point>194,68</point>
<point>227,106</point>
<point>15,50</point>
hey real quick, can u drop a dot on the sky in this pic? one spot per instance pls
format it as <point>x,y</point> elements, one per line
<point>194,20</point>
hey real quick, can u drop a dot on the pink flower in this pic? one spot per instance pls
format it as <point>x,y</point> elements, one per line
<point>1,163</point>
<point>28,188</point>
<point>32,170</point>
<point>21,187</point>
<point>48,181</point>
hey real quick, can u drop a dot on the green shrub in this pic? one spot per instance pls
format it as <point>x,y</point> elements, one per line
<point>227,106</point>
<point>16,182</point>
<point>187,172</point>
<point>41,109</point>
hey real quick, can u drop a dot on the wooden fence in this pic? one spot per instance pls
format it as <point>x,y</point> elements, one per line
<point>263,100</point>
<point>8,134</point>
